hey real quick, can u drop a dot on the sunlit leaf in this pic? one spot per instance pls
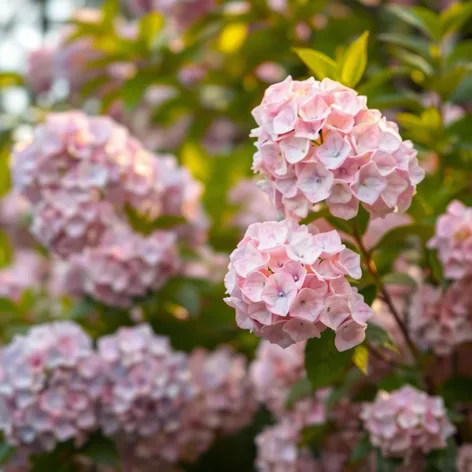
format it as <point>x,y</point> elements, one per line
<point>232,37</point>
<point>453,18</point>
<point>10,79</point>
<point>360,358</point>
<point>320,64</point>
<point>355,61</point>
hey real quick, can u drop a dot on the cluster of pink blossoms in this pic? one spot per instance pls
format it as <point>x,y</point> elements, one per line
<point>50,381</point>
<point>464,458</point>
<point>318,141</point>
<point>453,240</point>
<point>288,285</point>
<point>440,318</point>
<point>405,421</point>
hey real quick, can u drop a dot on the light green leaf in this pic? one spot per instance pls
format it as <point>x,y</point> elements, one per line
<point>453,18</point>
<point>324,364</point>
<point>420,17</point>
<point>355,61</point>
<point>150,26</point>
<point>8,307</point>
<point>360,358</point>
<point>10,79</point>
<point>320,64</point>
<point>6,249</point>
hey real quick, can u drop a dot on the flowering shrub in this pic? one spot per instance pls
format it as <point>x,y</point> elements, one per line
<point>173,299</point>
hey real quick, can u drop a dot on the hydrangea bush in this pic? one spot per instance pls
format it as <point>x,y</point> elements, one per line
<point>237,236</point>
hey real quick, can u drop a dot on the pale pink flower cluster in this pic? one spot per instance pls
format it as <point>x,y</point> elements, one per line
<point>147,387</point>
<point>318,141</point>
<point>464,458</point>
<point>26,272</point>
<point>440,318</point>
<point>278,450</point>
<point>50,382</point>
<point>288,285</point>
<point>207,265</point>
<point>126,265</point>
<point>453,240</point>
<point>39,74</point>
<point>253,204</point>
<point>405,421</point>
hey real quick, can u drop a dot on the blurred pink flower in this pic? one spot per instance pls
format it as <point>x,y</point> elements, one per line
<point>50,384</point>
<point>40,71</point>
<point>453,240</point>
<point>270,72</point>
<point>288,285</point>
<point>318,141</point>
<point>405,421</point>
<point>464,458</point>
<point>208,265</point>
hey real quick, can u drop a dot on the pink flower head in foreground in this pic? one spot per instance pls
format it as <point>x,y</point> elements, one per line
<point>147,387</point>
<point>278,450</point>
<point>50,383</point>
<point>464,458</point>
<point>405,421</point>
<point>126,265</point>
<point>453,240</point>
<point>80,172</point>
<point>288,285</point>
<point>440,318</point>
<point>318,141</point>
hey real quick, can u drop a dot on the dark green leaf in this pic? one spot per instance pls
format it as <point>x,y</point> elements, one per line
<point>323,362</point>
<point>443,460</point>
<point>313,435</point>
<point>320,64</point>
<point>355,61</point>
<point>398,379</point>
<point>83,308</point>
<point>101,451</point>
<point>144,225</point>
<point>399,278</point>
<point>362,220</point>
<point>362,449</point>
<point>360,358</point>
<point>456,389</point>
<point>377,335</point>
<point>6,452</point>
<point>422,18</point>
<point>302,388</point>
<point>400,234</point>
<point>188,296</point>
<point>349,380</point>
<point>369,293</point>
<point>386,464</point>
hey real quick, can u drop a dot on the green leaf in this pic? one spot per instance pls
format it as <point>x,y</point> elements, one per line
<point>362,220</point>
<point>377,335</point>
<point>150,26</point>
<point>188,296</point>
<point>443,460</point>
<point>456,389</point>
<point>362,449</point>
<point>355,61</point>
<point>447,83</point>
<point>142,224</point>
<point>6,249</point>
<point>320,64</point>
<point>132,91</point>
<point>313,435</point>
<point>360,358</point>
<point>397,235</point>
<point>8,307</point>
<point>110,11</point>
<point>386,464</point>
<point>302,388</point>
<point>10,79</point>
<point>415,44</point>
<point>399,278</point>
<point>101,451</point>
<point>453,18</point>
<point>398,379</point>
<point>349,380</point>
<point>324,364</point>
<point>6,452</point>
<point>419,17</point>
<point>83,308</point>
<point>415,61</point>
<point>369,293</point>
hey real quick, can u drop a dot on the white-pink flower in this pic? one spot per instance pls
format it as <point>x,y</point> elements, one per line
<point>322,138</point>
<point>464,458</point>
<point>405,421</point>
<point>288,285</point>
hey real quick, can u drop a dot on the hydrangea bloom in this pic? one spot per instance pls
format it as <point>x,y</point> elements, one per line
<point>278,450</point>
<point>453,240</point>
<point>208,265</point>
<point>79,172</point>
<point>39,74</point>
<point>440,318</point>
<point>318,141</point>
<point>49,386</point>
<point>147,388</point>
<point>464,458</point>
<point>405,421</point>
<point>288,285</point>
<point>125,265</point>
<point>254,205</point>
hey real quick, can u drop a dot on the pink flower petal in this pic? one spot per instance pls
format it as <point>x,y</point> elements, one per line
<point>279,293</point>
<point>307,305</point>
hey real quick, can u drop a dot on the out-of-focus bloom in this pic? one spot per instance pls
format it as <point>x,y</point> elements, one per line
<point>405,421</point>
<point>288,285</point>
<point>49,386</point>
<point>26,272</point>
<point>148,386</point>
<point>208,265</point>
<point>40,73</point>
<point>220,136</point>
<point>254,205</point>
<point>270,72</point>
<point>191,74</point>
<point>440,319</point>
<point>80,172</point>
<point>126,265</point>
<point>318,141</point>
<point>278,450</point>
<point>464,458</point>
<point>453,240</point>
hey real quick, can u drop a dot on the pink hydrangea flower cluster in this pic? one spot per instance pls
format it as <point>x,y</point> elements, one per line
<point>440,318</point>
<point>288,285</point>
<point>318,141</point>
<point>254,205</point>
<point>50,382</point>
<point>126,265</point>
<point>278,450</point>
<point>405,421</point>
<point>80,172</point>
<point>39,73</point>
<point>464,458</point>
<point>453,240</point>
<point>147,387</point>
